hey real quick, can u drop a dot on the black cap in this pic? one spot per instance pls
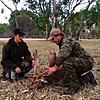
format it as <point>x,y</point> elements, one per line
<point>19,31</point>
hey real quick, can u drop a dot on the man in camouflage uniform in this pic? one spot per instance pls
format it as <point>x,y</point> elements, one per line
<point>71,63</point>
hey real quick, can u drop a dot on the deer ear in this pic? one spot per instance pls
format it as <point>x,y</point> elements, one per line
<point>37,61</point>
<point>51,58</point>
<point>34,62</point>
<point>35,54</point>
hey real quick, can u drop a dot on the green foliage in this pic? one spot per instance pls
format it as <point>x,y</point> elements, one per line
<point>98,18</point>
<point>26,20</point>
<point>4,28</point>
<point>12,19</point>
<point>91,17</point>
<point>33,5</point>
<point>65,2</point>
<point>41,14</point>
<point>72,24</point>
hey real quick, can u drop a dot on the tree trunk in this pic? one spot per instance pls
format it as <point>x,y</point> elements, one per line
<point>16,22</point>
<point>46,34</point>
<point>53,14</point>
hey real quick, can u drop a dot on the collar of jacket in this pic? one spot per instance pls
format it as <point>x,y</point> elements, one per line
<point>61,43</point>
<point>64,40</point>
<point>12,42</point>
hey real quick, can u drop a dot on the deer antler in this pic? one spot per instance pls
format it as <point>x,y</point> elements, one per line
<point>51,63</point>
<point>36,61</point>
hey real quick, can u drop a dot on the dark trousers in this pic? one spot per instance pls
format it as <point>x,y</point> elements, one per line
<point>12,76</point>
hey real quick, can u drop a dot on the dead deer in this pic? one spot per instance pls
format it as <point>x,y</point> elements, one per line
<point>36,61</point>
<point>51,58</point>
<point>51,63</point>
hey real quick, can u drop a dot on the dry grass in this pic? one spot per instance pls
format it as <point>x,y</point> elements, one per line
<point>25,90</point>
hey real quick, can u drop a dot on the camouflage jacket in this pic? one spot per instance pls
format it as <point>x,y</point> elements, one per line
<point>70,48</point>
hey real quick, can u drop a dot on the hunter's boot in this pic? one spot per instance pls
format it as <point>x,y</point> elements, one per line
<point>89,77</point>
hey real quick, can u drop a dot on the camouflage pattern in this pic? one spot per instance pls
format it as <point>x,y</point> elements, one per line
<point>74,60</point>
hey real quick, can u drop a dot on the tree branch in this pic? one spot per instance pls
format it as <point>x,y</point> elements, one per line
<point>7,6</point>
<point>90,2</point>
<point>72,10</point>
<point>41,6</point>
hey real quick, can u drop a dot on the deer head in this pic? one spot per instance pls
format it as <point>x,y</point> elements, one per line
<point>51,63</point>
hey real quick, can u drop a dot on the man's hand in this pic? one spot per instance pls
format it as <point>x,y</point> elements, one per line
<point>51,70</point>
<point>25,64</point>
<point>18,70</point>
<point>33,62</point>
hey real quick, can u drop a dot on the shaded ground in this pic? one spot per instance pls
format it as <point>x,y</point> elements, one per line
<point>25,90</point>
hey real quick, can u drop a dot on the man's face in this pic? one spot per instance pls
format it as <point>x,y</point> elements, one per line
<point>57,39</point>
<point>19,38</point>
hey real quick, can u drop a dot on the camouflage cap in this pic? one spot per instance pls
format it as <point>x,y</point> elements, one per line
<point>53,32</point>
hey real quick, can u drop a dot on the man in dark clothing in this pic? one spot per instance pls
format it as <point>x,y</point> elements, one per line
<point>16,57</point>
<point>71,63</point>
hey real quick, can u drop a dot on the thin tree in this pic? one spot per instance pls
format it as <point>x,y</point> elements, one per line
<point>15,2</point>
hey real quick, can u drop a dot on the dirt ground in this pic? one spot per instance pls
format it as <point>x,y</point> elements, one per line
<point>25,90</point>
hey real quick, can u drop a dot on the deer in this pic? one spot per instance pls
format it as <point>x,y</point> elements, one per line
<point>36,63</point>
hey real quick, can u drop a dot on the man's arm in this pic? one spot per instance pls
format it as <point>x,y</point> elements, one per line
<point>28,57</point>
<point>5,58</point>
<point>64,52</point>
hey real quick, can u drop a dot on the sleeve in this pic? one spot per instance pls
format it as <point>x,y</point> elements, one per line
<point>27,56</point>
<point>5,62</point>
<point>64,52</point>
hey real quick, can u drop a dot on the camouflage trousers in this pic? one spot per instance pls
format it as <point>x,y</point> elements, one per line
<point>71,71</point>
